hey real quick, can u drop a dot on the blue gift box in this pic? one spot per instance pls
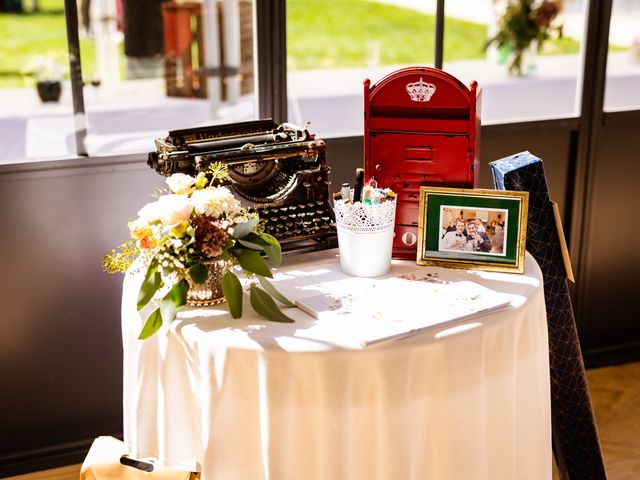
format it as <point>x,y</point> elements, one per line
<point>575,436</point>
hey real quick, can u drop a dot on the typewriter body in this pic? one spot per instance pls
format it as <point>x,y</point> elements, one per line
<point>278,171</point>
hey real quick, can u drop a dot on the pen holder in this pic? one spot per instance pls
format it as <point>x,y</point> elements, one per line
<point>365,237</point>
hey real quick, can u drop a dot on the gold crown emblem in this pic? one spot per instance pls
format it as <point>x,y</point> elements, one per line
<point>420,91</point>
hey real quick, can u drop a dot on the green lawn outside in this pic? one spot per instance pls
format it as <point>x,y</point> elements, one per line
<point>37,33</point>
<point>320,34</point>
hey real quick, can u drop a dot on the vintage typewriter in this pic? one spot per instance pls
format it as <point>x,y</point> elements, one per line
<point>278,171</point>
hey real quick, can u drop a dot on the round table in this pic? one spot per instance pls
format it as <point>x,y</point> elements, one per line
<point>252,399</point>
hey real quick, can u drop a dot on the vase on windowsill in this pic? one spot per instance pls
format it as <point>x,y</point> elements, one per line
<point>47,72</point>
<point>523,27</point>
<point>520,62</point>
<point>49,90</point>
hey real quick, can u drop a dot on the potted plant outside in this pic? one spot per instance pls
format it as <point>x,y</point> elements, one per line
<point>524,27</point>
<point>47,72</point>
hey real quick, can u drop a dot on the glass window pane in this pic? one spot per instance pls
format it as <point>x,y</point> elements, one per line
<point>34,64</point>
<point>148,66</point>
<point>623,62</point>
<point>357,39</point>
<point>155,66</point>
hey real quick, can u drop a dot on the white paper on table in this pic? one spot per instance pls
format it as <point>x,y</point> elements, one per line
<point>376,310</point>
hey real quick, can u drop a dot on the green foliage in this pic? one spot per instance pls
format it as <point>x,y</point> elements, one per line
<point>150,285</point>
<point>232,289</point>
<point>264,305</point>
<point>43,32</point>
<point>271,290</point>
<point>152,325</point>
<point>241,230</point>
<point>521,25</point>
<point>120,258</point>
<point>199,273</point>
<point>343,34</point>
<point>266,243</point>
<point>175,298</point>
<point>251,261</point>
<point>218,173</point>
<point>320,35</point>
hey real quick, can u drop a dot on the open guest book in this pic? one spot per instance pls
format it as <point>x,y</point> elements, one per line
<point>375,310</point>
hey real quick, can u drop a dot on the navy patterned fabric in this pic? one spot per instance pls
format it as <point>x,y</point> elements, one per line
<point>575,437</point>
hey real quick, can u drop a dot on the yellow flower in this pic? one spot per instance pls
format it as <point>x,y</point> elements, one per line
<point>140,229</point>
<point>179,229</point>
<point>201,180</point>
<point>147,242</point>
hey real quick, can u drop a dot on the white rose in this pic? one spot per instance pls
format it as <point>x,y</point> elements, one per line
<point>214,202</point>
<point>180,183</point>
<point>174,208</point>
<point>150,212</point>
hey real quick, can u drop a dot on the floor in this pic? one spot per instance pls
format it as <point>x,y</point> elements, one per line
<point>615,393</point>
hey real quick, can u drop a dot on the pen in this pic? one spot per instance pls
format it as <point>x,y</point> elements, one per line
<point>357,189</point>
<point>346,192</point>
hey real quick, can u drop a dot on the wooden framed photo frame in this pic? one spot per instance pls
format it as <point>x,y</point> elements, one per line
<point>479,229</point>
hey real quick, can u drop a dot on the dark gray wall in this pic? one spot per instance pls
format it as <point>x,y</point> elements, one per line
<point>60,347</point>
<point>610,289</point>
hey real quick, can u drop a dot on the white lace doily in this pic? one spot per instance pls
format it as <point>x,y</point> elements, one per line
<point>359,217</point>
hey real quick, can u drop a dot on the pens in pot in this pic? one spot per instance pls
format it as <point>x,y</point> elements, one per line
<point>357,189</point>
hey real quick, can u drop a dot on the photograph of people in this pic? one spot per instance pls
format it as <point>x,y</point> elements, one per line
<point>455,239</point>
<point>472,230</point>
<point>476,241</point>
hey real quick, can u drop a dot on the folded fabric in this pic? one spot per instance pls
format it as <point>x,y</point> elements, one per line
<point>103,463</point>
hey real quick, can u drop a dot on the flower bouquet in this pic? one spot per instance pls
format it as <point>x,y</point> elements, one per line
<point>189,241</point>
<point>525,23</point>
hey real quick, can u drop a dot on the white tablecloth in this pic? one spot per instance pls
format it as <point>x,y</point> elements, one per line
<point>252,399</point>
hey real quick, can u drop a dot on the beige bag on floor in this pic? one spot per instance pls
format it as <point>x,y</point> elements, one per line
<point>103,463</point>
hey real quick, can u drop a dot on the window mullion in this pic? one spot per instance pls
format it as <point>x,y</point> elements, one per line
<point>271,59</point>
<point>75,73</point>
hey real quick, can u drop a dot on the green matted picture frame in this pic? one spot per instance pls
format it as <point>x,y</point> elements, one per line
<point>494,234</point>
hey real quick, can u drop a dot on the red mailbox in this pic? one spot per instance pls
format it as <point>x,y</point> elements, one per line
<point>421,127</point>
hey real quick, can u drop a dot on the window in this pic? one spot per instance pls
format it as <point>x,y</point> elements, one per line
<point>623,60</point>
<point>148,67</point>
<point>333,46</point>
<point>34,61</point>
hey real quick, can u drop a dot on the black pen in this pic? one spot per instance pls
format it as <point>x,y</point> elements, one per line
<point>357,189</point>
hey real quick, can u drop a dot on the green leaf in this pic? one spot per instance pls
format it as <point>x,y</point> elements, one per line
<point>271,290</point>
<point>253,241</point>
<point>152,325</point>
<point>175,298</point>
<point>167,310</point>
<point>251,261</point>
<point>241,230</point>
<point>232,289</point>
<point>251,245</point>
<point>199,273</point>
<point>273,249</point>
<point>263,304</point>
<point>178,293</point>
<point>150,285</point>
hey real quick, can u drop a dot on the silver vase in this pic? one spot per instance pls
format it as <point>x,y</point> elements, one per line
<point>210,292</point>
